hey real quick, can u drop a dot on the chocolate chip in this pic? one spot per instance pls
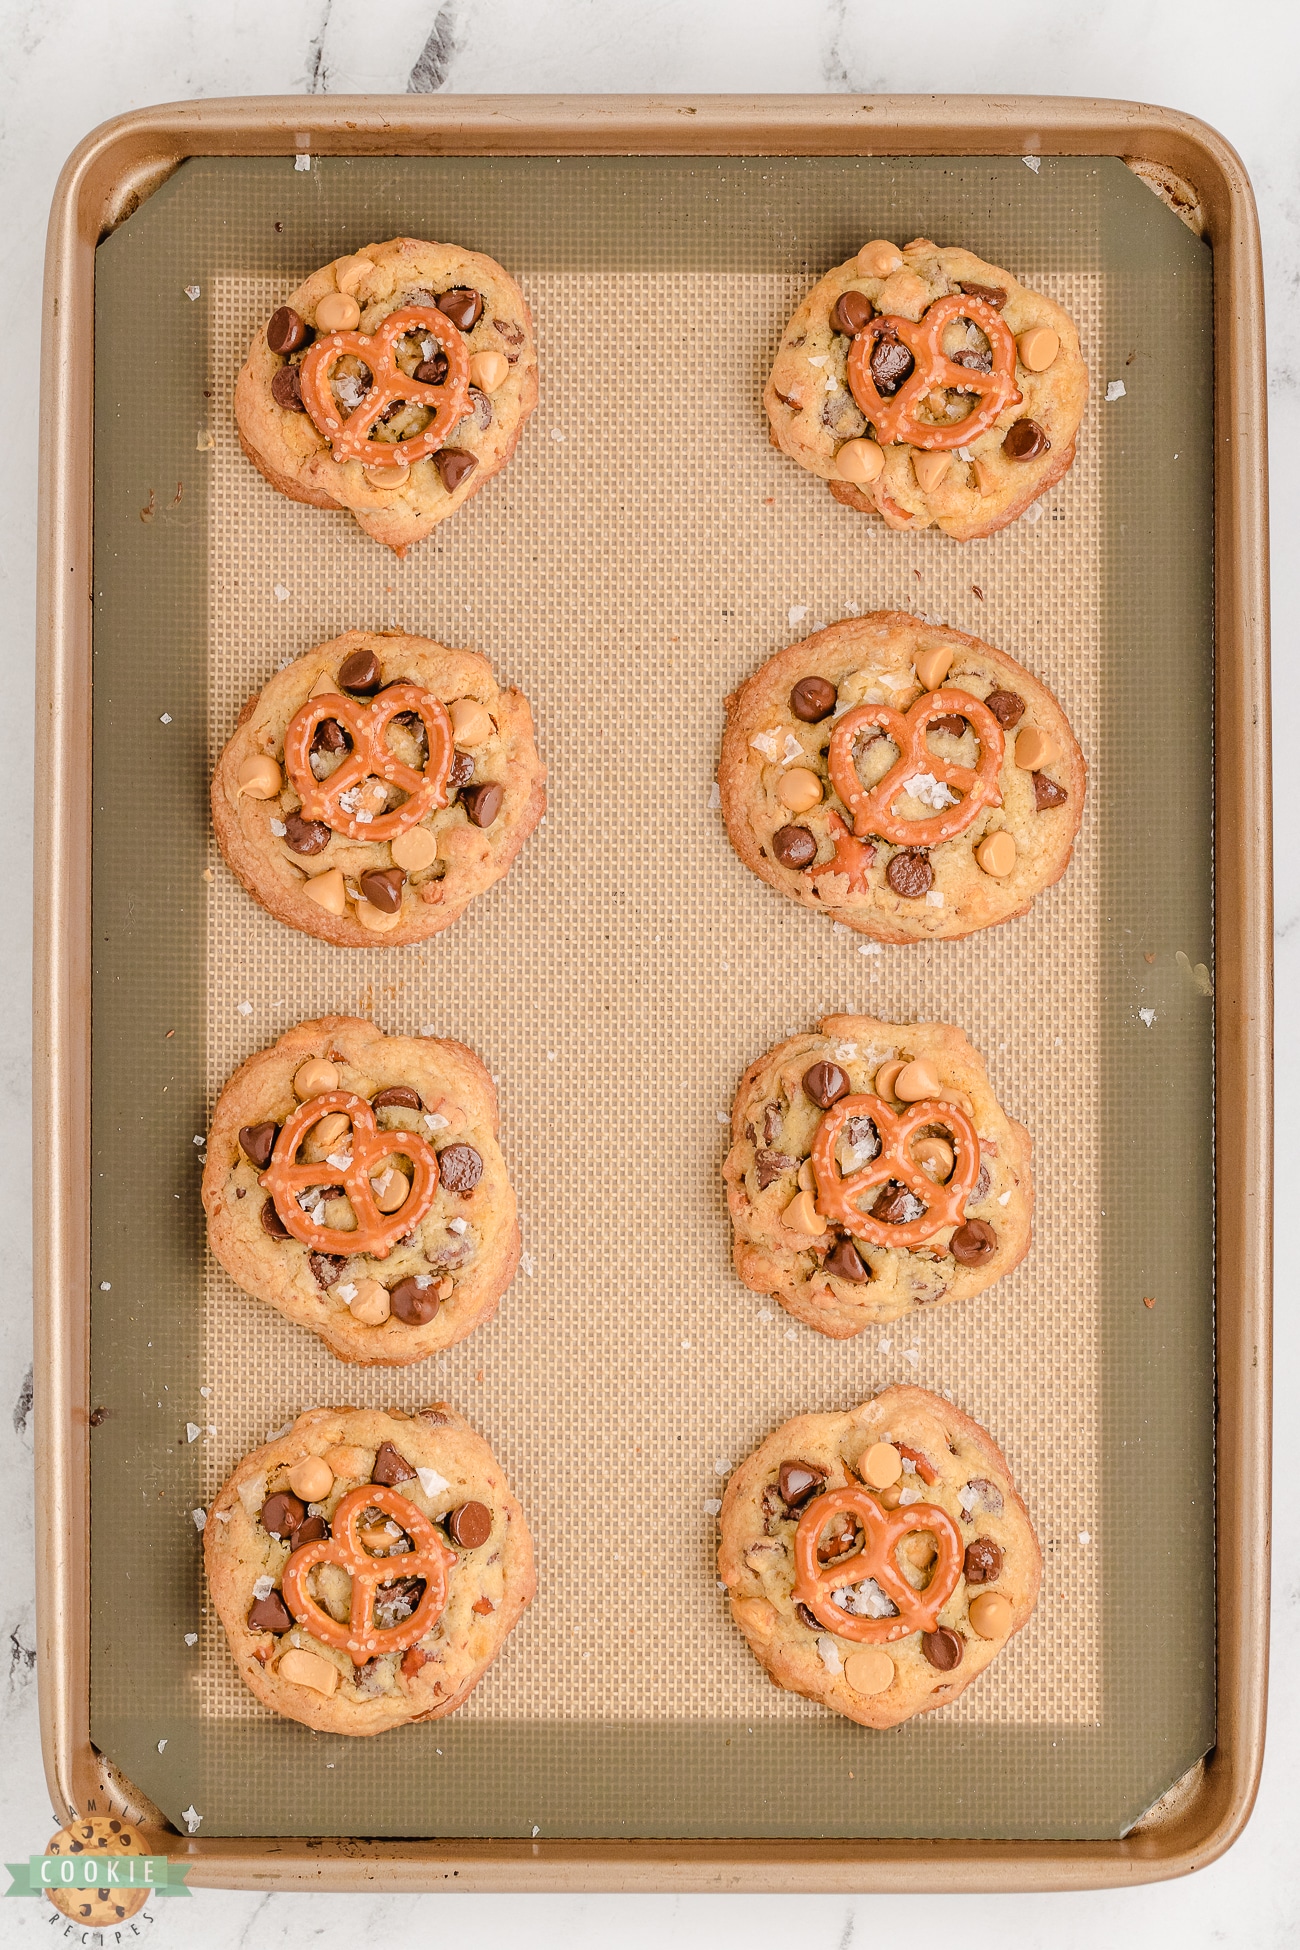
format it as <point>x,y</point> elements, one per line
<point>992,294</point>
<point>841,1537</point>
<point>974,361</point>
<point>812,699</point>
<point>413,1303</point>
<point>825,1083</point>
<point>270,1614</point>
<point>460,1167</point>
<point>794,846</point>
<point>891,362</point>
<point>774,1510</point>
<point>895,1205</point>
<point>470,1525</point>
<point>973,1243</point>
<point>798,1481</point>
<point>398,1096</point>
<point>942,1648</point>
<point>257,1141</point>
<point>286,389</point>
<point>287,330</point>
<point>1008,707</point>
<point>305,835</point>
<point>844,1262</point>
<point>983,1185</point>
<point>382,887</point>
<point>861,1130</point>
<point>482,407</point>
<point>987,1496</point>
<point>325,1268</point>
<point>852,310</point>
<point>432,372</point>
<point>808,1618</point>
<point>1025,441</point>
<point>770,1166</point>
<point>1047,792</point>
<point>462,306</point>
<point>512,334</point>
<point>282,1513</point>
<point>453,464</point>
<point>389,1467</point>
<point>771,1124</point>
<point>983,1563</point>
<point>396,1601</point>
<point>482,803</point>
<point>910,874</point>
<point>462,770</point>
<point>272,1223</point>
<point>329,736</point>
<point>953,723</point>
<point>310,1531</point>
<point>361,673</point>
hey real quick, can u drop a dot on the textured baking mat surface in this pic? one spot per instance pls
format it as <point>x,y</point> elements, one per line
<point>627,1335</point>
<point>644,552</point>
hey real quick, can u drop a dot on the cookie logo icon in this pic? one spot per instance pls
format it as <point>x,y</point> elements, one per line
<point>107,1901</point>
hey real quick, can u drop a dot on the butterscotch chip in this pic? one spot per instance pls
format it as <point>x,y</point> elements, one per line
<point>415,849</point>
<point>300,1668</point>
<point>879,259</point>
<point>799,789</point>
<point>997,854</point>
<point>932,665</point>
<point>916,1080</point>
<point>787,1600</point>
<point>930,469</point>
<point>328,890</point>
<point>1035,748</point>
<point>881,1465</point>
<point>1038,347</point>
<point>315,1077</point>
<point>260,777</point>
<point>990,1615</point>
<point>337,311</point>
<point>862,461</point>
<point>312,1479</point>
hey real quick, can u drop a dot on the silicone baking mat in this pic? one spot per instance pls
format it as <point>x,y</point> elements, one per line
<point>645,551</point>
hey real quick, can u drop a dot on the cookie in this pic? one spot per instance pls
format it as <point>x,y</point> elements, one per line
<point>877,1560</point>
<point>394,383</point>
<point>872,1171</point>
<point>108,1838</point>
<point>375,786</point>
<point>368,1567</point>
<point>353,1181</point>
<point>901,777</point>
<point>930,387</point>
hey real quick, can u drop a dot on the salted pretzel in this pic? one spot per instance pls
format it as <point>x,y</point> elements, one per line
<point>837,1196</point>
<point>872,806</point>
<point>376,1232</point>
<point>448,399</point>
<point>882,1531</point>
<point>370,757</point>
<point>361,1638</point>
<point>894,419</point>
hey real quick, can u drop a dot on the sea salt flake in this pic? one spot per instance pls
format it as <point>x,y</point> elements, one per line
<point>1032,162</point>
<point>205,1392</point>
<point>431,1483</point>
<point>851,609</point>
<point>1004,1198</point>
<point>686,1347</point>
<point>712,1505</point>
<point>796,613</point>
<point>280,593</point>
<point>245,1008</point>
<point>767,743</point>
<point>106,1286</point>
<point>930,790</point>
<point>870,948</point>
<point>434,1118</point>
<point>911,1495</point>
<point>556,434</point>
<point>865,1600</point>
<point>191,1814</point>
<point>263,1587</point>
<point>912,1355</point>
<point>846,1052</point>
<point>339,1159</point>
<point>820,359</point>
<point>1032,514</point>
<point>458,1226</point>
<point>715,797</point>
<point>536,1830</point>
<point>346,1291</point>
<point>528,1265</point>
<point>199,1518</point>
<point>364,818</point>
<point>1116,389</point>
<point>832,384</point>
<point>191,1638</point>
<point>161,1745</point>
<point>166,718</point>
<point>935,897</point>
<point>279,828</point>
<point>964,453</point>
<point>192,1431</point>
<point>722,1117</point>
<point>1085,1537</point>
<point>721,1467</point>
<point>192,292</point>
<point>793,749</point>
<point>829,1653</point>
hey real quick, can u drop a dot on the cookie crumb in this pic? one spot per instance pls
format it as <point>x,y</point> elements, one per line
<point>1148,1299</point>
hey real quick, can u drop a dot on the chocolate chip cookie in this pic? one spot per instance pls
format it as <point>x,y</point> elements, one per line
<point>375,786</point>
<point>901,777</point>
<point>930,387</point>
<point>354,1182</point>
<point>872,1171</point>
<point>879,1559</point>
<point>394,383</point>
<point>368,1566</point>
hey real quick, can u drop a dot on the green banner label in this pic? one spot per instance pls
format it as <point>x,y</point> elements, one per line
<point>93,1871</point>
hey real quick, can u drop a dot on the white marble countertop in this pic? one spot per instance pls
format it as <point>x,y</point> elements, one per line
<point>72,66</point>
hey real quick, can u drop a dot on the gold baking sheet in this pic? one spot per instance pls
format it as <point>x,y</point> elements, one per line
<point>643,553</point>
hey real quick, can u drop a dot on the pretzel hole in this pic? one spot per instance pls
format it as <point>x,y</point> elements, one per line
<point>391,1185</point>
<point>874,751</point>
<point>891,363</point>
<point>394,1603</point>
<point>895,1205</point>
<point>381,1535</point>
<point>331,742</point>
<point>330,1134</point>
<point>350,381</point>
<point>401,420</point>
<point>369,796</point>
<point>917,1557</point>
<point>864,1600</point>
<point>840,1538</point>
<point>966,345</point>
<point>932,1149</point>
<point>952,729</point>
<point>407,739</point>
<point>859,1143</point>
<point>331,1587</point>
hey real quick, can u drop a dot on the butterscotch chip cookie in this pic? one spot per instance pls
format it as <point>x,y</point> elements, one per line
<point>368,1567</point>
<point>353,1181</point>
<point>879,1559</point>
<point>901,777</point>
<point>872,1171</point>
<point>393,383</point>
<point>375,786</point>
<point>930,387</point>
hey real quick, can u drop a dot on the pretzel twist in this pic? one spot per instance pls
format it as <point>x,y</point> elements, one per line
<point>882,1531</point>
<point>376,1232</point>
<point>370,757</point>
<point>894,419</point>
<point>361,1638</point>
<point>872,806</point>
<point>448,399</point>
<point>837,1196</point>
